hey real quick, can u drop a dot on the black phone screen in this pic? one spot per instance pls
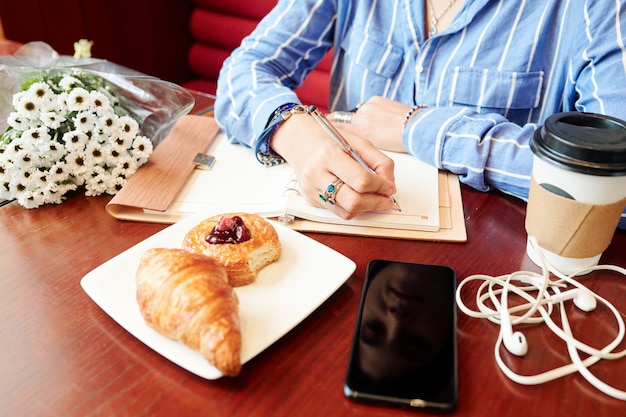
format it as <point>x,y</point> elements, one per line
<point>404,347</point>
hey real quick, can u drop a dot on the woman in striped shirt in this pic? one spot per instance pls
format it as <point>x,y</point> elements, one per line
<point>486,72</point>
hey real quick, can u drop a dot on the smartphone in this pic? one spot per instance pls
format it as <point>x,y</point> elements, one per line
<point>404,350</point>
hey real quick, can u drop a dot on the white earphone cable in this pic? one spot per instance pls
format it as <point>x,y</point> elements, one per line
<point>549,293</point>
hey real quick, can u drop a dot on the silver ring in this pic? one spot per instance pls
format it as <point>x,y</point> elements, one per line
<point>330,192</point>
<point>343,116</point>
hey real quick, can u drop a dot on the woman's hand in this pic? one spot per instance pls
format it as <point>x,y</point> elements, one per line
<point>379,120</point>
<point>318,161</point>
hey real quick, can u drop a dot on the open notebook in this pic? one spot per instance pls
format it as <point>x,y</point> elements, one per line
<point>169,188</point>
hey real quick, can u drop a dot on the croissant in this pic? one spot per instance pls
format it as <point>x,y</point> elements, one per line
<point>186,297</point>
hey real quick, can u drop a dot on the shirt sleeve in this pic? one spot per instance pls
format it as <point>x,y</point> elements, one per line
<point>485,150</point>
<point>263,72</point>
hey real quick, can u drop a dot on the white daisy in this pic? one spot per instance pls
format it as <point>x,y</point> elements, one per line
<point>18,122</point>
<point>108,124</point>
<point>125,167</point>
<point>75,140</point>
<point>24,160</point>
<point>36,138</point>
<point>85,121</point>
<point>96,181</point>
<point>68,83</point>
<point>60,172</point>
<point>41,93</point>
<point>77,165</point>
<point>115,184</point>
<point>28,200</point>
<point>56,152</point>
<point>52,115</point>
<point>128,127</point>
<point>95,154</point>
<point>78,99</point>
<point>97,135</point>
<point>26,106</point>
<point>141,150</point>
<point>101,104</point>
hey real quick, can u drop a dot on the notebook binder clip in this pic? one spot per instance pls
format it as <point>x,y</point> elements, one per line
<point>204,161</point>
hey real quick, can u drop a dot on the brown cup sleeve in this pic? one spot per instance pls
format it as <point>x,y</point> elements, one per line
<point>568,227</point>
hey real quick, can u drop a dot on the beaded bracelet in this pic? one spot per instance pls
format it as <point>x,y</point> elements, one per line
<point>410,113</point>
<point>264,152</point>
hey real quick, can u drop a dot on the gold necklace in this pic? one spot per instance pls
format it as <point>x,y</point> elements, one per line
<point>434,19</point>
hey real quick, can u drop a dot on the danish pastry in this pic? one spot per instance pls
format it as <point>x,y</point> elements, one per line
<point>243,243</point>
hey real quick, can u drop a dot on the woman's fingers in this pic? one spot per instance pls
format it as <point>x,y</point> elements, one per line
<point>318,162</point>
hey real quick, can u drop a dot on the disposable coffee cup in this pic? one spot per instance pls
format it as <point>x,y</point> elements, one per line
<point>578,190</point>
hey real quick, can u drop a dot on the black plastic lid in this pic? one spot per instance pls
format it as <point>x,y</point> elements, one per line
<point>583,142</point>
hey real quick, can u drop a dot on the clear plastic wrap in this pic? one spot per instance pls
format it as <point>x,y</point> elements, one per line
<point>156,104</point>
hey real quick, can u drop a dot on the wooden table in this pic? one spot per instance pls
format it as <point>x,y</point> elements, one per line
<point>63,356</point>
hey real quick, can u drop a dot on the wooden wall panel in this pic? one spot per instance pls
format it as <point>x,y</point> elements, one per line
<point>151,36</point>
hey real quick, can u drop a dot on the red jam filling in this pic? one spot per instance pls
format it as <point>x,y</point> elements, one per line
<point>229,230</point>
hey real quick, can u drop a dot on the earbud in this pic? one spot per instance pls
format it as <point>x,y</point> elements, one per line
<point>514,342</point>
<point>583,299</point>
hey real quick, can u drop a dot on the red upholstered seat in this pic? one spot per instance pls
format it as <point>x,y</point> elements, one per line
<point>218,26</point>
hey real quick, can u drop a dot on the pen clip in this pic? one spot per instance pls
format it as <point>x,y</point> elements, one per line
<point>330,129</point>
<point>334,133</point>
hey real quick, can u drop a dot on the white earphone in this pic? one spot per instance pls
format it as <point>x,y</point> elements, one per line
<point>541,295</point>
<point>583,299</point>
<point>515,342</point>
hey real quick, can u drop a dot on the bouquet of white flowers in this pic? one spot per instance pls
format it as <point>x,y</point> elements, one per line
<point>79,123</point>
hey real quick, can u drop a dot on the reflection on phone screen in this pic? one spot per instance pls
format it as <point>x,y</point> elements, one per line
<point>405,341</point>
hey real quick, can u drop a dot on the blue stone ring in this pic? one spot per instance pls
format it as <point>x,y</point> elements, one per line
<point>329,194</point>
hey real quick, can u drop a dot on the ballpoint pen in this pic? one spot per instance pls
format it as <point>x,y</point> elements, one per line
<point>334,133</point>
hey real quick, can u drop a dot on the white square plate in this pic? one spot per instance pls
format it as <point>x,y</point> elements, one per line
<point>283,295</point>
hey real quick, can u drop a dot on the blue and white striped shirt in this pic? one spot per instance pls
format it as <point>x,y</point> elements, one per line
<point>497,72</point>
